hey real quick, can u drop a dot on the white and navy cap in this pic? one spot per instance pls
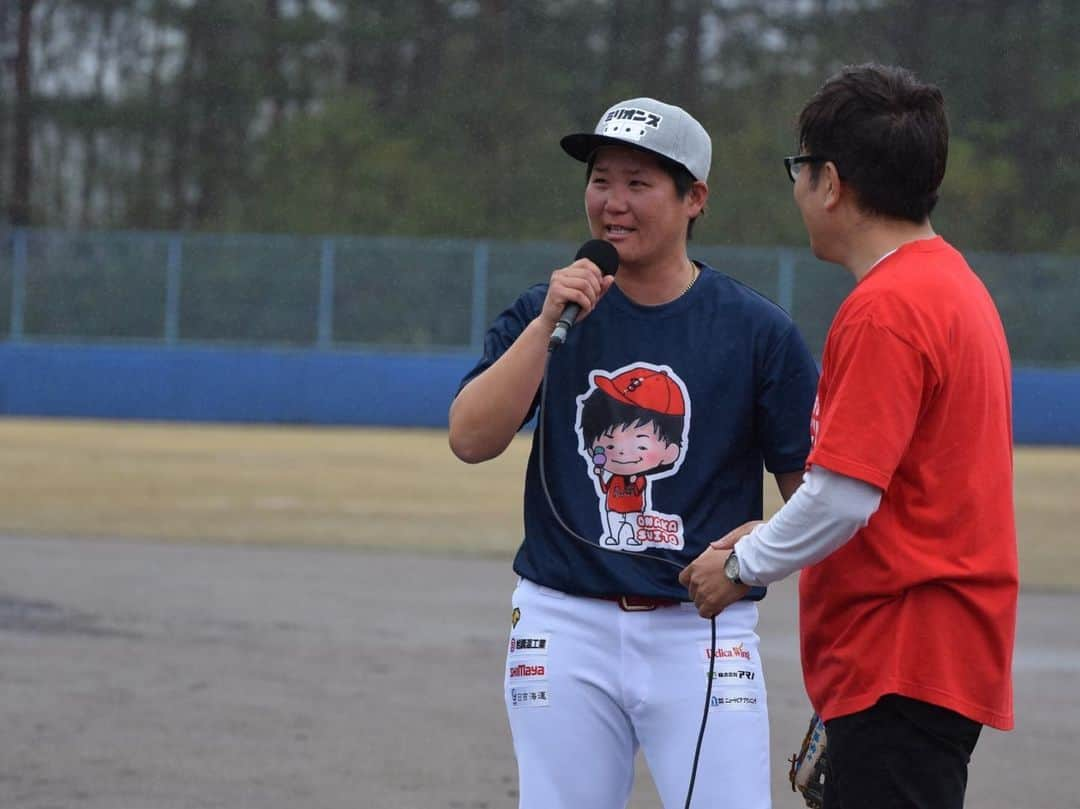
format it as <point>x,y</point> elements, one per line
<point>652,125</point>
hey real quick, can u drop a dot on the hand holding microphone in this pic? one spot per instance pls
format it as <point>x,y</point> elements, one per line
<point>604,255</point>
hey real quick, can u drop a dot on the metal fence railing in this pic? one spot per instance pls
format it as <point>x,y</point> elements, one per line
<point>410,294</point>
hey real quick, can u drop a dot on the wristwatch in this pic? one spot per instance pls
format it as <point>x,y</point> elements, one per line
<point>731,569</point>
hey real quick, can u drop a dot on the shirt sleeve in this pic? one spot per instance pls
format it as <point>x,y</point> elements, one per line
<point>875,385</point>
<point>787,381</point>
<point>502,333</point>
<point>823,514</point>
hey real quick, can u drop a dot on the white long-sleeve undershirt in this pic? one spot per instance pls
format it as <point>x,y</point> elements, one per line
<point>824,513</point>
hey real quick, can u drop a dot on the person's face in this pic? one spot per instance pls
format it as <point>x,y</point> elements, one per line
<point>633,450</point>
<point>814,199</point>
<point>631,202</point>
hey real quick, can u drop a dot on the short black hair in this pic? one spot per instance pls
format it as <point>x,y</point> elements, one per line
<point>887,134</point>
<point>678,173</point>
<point>599,413</point>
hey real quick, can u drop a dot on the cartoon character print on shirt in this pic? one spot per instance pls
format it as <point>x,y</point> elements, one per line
<point>632,426</point>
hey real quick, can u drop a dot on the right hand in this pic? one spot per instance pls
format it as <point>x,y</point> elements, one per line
<point>731,538</point>
<point>581,283</point>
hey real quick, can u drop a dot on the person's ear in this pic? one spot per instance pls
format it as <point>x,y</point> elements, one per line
<point>696,198</point>
<point>833,186</point>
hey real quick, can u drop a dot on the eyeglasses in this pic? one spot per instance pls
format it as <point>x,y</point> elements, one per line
<point>795,163</point>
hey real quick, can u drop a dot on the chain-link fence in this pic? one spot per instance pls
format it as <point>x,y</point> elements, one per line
<point>410,294</point>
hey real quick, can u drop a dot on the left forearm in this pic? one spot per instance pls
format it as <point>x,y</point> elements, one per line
<point>820,517</point>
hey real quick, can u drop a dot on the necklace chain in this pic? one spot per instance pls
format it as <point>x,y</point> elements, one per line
<point>694,272</point>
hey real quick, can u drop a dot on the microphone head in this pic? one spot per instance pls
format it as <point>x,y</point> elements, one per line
<point>602,254</point>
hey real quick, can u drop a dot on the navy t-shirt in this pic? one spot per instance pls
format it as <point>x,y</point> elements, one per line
<point>657,422</point>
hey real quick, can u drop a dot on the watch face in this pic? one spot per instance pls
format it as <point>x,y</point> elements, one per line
<point>731,568</point>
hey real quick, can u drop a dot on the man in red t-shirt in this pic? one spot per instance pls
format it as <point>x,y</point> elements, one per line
<point>904,526</point>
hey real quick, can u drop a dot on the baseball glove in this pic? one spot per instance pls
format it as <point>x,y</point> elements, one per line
<point>807,773</point>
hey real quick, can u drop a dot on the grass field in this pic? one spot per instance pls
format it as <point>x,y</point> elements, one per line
<point>396,489</point>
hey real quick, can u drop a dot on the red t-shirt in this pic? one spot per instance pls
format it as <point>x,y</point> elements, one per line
<point>915,398</point>
<point>625,496</point>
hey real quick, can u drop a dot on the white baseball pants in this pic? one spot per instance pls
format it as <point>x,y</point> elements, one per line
<point>586,683</point>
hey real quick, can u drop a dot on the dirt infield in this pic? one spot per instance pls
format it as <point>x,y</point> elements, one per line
<point>173,676</point>
<point>239,660</point>
<point>370,488</point>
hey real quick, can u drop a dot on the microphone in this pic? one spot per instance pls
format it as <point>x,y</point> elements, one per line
<point>603,255</point>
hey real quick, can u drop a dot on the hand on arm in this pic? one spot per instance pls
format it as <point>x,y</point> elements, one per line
<point>728,540</point>
<point>821,516</point>
<point>787,483</point>
<point>708,585</point>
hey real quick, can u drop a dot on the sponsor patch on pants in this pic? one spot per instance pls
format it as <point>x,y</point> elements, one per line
<point>730,675</point>
<point>532,645</point>
<point>526,671</point>
<point>534,695</point>
<point>726,651</point>
<point>736,699</point>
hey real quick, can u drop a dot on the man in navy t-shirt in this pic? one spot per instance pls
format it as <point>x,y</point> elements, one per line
<point>672,391</point>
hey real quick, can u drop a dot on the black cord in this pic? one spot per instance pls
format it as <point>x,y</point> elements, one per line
<point>637,555</point>
<point>704,715</point>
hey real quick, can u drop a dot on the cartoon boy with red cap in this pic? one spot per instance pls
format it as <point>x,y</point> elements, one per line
<point>633,424</point>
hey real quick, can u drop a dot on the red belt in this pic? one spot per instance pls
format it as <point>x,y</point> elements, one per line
<point>641,603</point>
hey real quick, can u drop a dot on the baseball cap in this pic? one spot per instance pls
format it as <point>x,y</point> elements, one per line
<point>652,125</point>
<point>645,388</point>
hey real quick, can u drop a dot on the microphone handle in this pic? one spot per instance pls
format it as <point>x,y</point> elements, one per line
<point>562,328</point>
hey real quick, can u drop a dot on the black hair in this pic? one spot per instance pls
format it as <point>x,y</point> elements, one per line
<point>679,174</point>
<point>600,413</point>
<point>887,134</point>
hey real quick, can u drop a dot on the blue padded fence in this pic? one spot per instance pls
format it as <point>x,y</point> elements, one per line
<point>307,386</point>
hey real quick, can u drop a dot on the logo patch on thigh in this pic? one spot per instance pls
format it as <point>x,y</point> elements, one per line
<point>534,695</point>
<point>526,671</point>
<point>729,650</point>
<point>736,699</point>
<point>532,645</point>
<point>732,674</point>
